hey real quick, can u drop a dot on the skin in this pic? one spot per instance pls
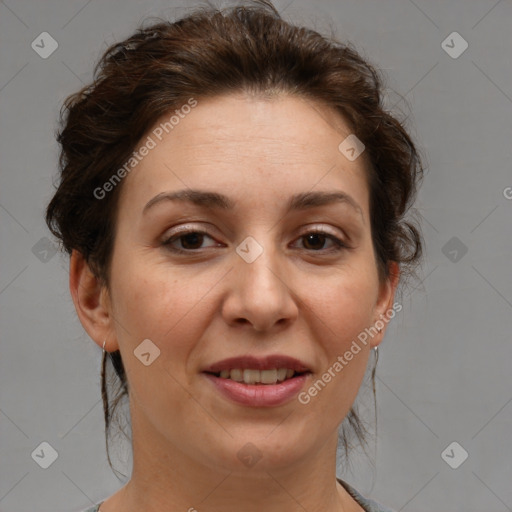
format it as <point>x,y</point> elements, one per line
<point>297,298</point>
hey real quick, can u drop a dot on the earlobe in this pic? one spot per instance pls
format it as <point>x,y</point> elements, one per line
<point>90,298</point>
<point>385,302</point>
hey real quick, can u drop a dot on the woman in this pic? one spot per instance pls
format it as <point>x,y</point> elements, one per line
<point>233,200</point>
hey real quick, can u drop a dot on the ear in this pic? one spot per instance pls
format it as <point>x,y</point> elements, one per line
<point>92,302</point>
<point>385,303</point>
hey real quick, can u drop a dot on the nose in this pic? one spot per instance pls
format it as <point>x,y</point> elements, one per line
<point>259,293</point>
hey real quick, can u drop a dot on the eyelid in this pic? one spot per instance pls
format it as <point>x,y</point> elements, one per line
<point>186,228</point>
<point>318,228</point>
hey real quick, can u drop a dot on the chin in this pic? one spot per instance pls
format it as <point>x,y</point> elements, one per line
<point>265,450</point>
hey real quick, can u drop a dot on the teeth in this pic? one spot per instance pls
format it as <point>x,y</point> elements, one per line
<point>250,376</point>
<point>268,376</point>
<point>281,374</point>
<point>237,375</point>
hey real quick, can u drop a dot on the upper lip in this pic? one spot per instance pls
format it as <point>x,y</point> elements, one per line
<point>258,363</point>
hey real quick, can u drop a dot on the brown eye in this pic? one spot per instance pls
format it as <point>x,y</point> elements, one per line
<point>190,241</point>
<point>315,240</point>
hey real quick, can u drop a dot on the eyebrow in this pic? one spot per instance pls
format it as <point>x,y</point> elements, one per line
<point>214,200</point>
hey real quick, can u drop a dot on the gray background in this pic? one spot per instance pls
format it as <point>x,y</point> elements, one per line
<point>444,372</point>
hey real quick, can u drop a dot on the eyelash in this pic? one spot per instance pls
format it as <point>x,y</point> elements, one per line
<point>339,245</point>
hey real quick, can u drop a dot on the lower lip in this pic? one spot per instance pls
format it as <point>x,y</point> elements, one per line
<point>259,395</point>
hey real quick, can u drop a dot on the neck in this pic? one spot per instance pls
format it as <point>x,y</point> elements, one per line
<point>169,479</point>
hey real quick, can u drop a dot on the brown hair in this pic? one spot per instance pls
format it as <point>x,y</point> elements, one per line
<point>207,53</point>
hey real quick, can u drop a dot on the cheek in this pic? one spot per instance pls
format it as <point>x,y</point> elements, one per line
<point>167,312</point>
<point>334,388</point>
<point>343,312</point>
<point>156,304</point>
<point>347,304</point>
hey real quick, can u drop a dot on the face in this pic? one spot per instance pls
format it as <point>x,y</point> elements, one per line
<point>272,269</point>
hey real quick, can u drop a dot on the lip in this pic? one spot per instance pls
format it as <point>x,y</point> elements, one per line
<point>258,363</point>
<point>259,395</point>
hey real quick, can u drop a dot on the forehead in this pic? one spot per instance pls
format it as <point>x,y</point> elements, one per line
<point>249,146</point>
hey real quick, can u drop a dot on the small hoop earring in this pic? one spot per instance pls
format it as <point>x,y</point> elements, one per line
<point>104,345</point>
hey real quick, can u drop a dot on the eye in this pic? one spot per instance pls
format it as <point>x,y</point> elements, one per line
<point>314,241</point>
<point>190,241</point>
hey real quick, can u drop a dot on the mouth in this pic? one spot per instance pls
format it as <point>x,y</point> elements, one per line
<point>258,377</point>
<point>258,382</point>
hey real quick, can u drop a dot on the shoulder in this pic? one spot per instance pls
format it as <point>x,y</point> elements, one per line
<point>93,509</point>
<point>367,504</point>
